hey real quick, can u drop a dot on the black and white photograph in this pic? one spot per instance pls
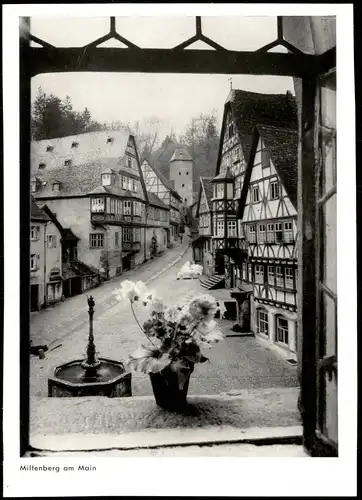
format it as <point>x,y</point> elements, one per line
<point>182,281</point>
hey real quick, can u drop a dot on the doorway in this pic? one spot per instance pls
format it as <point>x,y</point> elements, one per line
<point>34,297</point>
<point>219,263</point>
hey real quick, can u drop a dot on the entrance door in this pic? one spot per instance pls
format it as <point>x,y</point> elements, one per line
<point>219,263</point>
<point>34,297</point>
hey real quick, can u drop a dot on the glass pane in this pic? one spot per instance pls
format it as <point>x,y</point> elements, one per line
<point>240,33</point>
<point>328,101</point>
<point>331,409</point>
<point>329,160</point>
<point>69,31</point>
<point>330,243</point>
<point>329,326</point>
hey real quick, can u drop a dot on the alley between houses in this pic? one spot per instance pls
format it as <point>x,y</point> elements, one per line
<point>236,364</point>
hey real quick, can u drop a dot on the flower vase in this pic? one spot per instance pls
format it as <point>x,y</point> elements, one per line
<point>170,386</point>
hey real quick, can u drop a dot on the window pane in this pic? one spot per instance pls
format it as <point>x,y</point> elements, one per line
<point>330,243</point>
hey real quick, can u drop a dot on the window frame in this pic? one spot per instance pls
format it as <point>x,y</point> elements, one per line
<point>263,321</point>
<point>34,257</point>
<point>96,238</point>
<point>255,190</point>
<point>127,207</point>
<point>282,332</point>
<point>274,189</point>
<point>37,233</point>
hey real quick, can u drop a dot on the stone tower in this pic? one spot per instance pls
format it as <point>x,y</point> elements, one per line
<point>181,172</point>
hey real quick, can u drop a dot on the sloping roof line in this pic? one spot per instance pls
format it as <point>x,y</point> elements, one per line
<point>153,199</point>
<point>181,154</point>
<point>282,145</point>
<point>36,213</point>
<point>207,189</point>
<point>250,109</point>
<point>166,182</point>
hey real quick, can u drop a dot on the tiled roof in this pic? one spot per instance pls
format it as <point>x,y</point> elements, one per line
<point>282,145</point>
<point>76,180</point>
<point>250,109</point>
<point>181,154</point>
<point>208,189</point>
<point>91,147</point>
<point>225,175</point>
<point>153,199</point>
<point>36,213</point>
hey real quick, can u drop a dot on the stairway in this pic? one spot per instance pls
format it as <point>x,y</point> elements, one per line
<point>213,282</point>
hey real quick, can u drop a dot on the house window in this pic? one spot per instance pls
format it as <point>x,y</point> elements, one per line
<point>33,186</point>
<point>42,166</point>
<point>259,274</point>
<point>220,228</point>
<point>219,190</point>
<point>289,278</point>
<point>137,234</point>
<point>265,158</point>
<point>274,190</point>
<point>118,207</point>
<point>270,233</point>
<point>116,239</point>
<point>34,233</point>
<point>75,144</point>
<point>187,173</point>
<point>34,257</point>
<point>96,240</point>
<point>109,140</point>
<point>271,275</point>
<point>183,185</point>
<point>134,185</point>
<point>243,271</point>
<point>106,179</point>
<point>236,155</point>
<point>263,324</point>
<point>278,232</point>
<point>124,182</point>
<point>255,194</point>
<point>136,208</point>
<point>179,173</point>
<point>129,187</point>
<point>55,187</point>
<point>279,276</point>
<point>127,207</point>
<point>97,205</point>
<point>126,234</point>
<point>288,232</point>
<point>67,163</point>
<point>250,273</point>
<point>129,162</point>
<point>112,207</point>
<point>49,149</point>
<point>252,234</point>
<point>282,330</point>
<point>51,241</point>
<point>261,233</point>
<point>232,232</point>
<point>230,191</point>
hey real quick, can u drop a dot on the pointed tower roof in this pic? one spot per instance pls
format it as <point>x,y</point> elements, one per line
<point>181,154</point>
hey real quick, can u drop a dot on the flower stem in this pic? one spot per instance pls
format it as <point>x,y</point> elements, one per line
<point>138,323</point>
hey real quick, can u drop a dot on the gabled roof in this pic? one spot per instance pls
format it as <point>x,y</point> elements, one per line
<point>92,146</point>
<point>206,188</point>
<point>250,109</point>
<point>36,213</point>
<point>181,154</point>
<point>282,145</point>
<point>166,182</point>
<point>153,199</point>
<point>78,180</point>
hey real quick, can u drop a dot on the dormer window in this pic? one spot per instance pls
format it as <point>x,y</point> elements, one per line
<point>106,179</point>
<point>41,165</point>
<point>75,144</point>
<point>49,149</point>
<point>109,140</point>
<point>67,163</point>
<point>56,186</point>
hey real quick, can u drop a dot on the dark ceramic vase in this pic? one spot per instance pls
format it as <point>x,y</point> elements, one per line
<point>170,386</point>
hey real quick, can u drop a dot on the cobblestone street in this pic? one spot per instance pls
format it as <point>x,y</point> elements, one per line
<point>235,364</point>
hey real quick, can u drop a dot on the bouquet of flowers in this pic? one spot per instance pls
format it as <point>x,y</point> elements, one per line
<point>174,332</point>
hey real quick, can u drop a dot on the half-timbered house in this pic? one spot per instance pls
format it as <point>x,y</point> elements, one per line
<point>268,207</point>
<point>157,183</point>
<point>202,244</point>
<point>100,195</point>
<point>242,112</point>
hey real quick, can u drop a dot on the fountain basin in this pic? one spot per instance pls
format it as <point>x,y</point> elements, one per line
<point>110,379</point>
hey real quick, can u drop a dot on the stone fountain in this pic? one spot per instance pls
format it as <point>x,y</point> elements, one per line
<point>91,376</point>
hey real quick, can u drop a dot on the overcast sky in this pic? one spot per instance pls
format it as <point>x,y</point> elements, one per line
<point>175,99</point>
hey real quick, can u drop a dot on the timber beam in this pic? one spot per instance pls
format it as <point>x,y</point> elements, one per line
<point>113,60</point>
